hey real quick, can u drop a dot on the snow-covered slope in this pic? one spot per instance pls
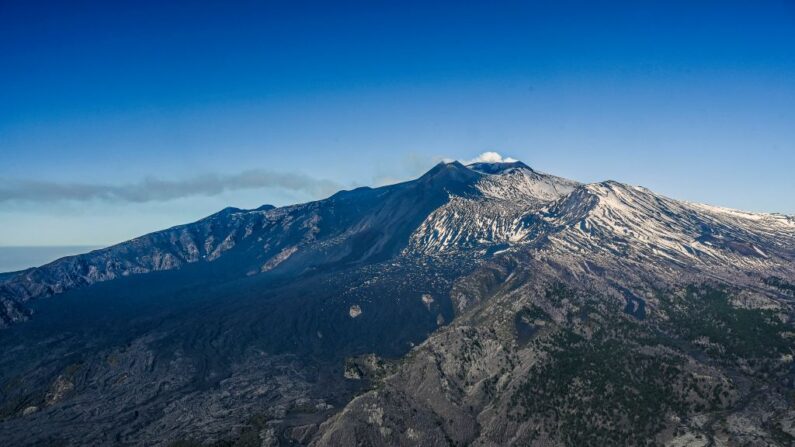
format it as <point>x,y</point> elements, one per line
<point>520,207</point>
<point>502,212</point>
<point>633,222</point>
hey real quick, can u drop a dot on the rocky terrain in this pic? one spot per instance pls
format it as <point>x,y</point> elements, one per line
<point>560,355</point>
<point>487,304</point>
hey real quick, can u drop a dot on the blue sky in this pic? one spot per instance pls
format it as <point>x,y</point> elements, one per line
<point>120,118</point>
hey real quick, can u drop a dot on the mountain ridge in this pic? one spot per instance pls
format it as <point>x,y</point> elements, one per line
<point>448,177</point>
<point>313,323</point>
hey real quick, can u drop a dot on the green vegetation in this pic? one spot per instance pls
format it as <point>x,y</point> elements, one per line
<point>559,292</point>
<point>602,391</point>
<point>781,284</point>
<point>732,333</point>
<point>614,380</point>
<point>531,313</point>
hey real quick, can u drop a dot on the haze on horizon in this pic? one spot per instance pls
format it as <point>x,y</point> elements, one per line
<point>124,118</point>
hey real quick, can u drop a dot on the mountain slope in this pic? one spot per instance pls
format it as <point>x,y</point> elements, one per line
<point>574,349</point>
<point>455,299</point>
<point>616,316</point>
<point>623,219</point>
<point>272,300</point>
<point>349,227</point>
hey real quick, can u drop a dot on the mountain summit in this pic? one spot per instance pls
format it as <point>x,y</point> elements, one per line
<point>482,303</point>
<point>498,167</point>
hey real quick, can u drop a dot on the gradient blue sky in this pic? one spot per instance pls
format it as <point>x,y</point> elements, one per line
<point>693,99</point>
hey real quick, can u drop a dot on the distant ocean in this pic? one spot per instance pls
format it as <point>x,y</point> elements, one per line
<point>20,258</point>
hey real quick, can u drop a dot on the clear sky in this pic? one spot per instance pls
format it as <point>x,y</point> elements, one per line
<point>119,118</point>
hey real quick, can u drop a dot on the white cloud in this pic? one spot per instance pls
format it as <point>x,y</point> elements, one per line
<point>159,190</point>
<point>490,157</point>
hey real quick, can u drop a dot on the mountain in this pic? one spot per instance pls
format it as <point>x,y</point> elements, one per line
<point>487,304</point>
